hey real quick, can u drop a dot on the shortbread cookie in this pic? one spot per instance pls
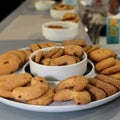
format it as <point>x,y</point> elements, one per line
<point>44,100</point>
<point>82,97</point>
<point>77,83</point>
<point>37,88</point>
<point>101,53</point>
<point>106,87</point>
<point>105,63</point>
<point>9,63</point>
<point>107,79</point>
<point>94,47</point>
<point>11,81</point>
<point>111,70</point>
<point>21,54</point>
<point>96,93</point>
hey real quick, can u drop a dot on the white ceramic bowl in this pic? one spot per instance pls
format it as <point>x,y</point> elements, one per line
<point>44,4</point>
<point>58,14</point>
<point>57,72</point>
<point>69,31</point>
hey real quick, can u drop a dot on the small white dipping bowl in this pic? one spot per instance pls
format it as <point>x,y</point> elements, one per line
<point>57,72</point>
<point>44,4</point>
<point>69,31</point>
<point>58,14</point>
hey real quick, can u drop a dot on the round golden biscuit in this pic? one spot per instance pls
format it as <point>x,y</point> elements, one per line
<point>101,53</point>
<point>111,70</point>
<point>105,63</point>
<point>9,63</point>
<point>21,54</point>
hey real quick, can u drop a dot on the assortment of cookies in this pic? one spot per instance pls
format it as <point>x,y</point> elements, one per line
<point>67,55</point>
<point>23,87</point>
<point>105,61</point>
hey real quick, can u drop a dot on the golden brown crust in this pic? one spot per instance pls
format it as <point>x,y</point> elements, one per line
<point>106,63</point>
<point>96,93</point>
<point>107,79</point>
<point>115,75</point>
<point>73,50</point>
<point>5,93</point>
<point>39,56</point>
<point>111,70</point>
<point>82,97</point>
<point>37,88</point>
<point>77,83</point>
<point>45,99</point>
<point>101,53</point>
<point>106,87</point>
<point>11,81</point>
<point>9,63</point>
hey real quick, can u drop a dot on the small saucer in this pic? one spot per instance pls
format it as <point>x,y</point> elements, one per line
<point>89,73</point>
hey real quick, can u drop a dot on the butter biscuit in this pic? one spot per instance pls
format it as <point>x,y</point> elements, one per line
<point>105,63</point>
<point>111,70</point>
<point>106,87</point>
<point>77,83</point>
<point>11,81</point>
<point>101,53</point>
<point>43,100</point>
<point>9,63</point>
<point>37,88</point>
<point>107,79</point>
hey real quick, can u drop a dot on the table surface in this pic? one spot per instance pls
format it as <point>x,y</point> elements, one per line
<point>109,111</point>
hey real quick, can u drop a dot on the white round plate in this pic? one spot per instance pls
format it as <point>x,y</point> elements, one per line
<point>58,106</point>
